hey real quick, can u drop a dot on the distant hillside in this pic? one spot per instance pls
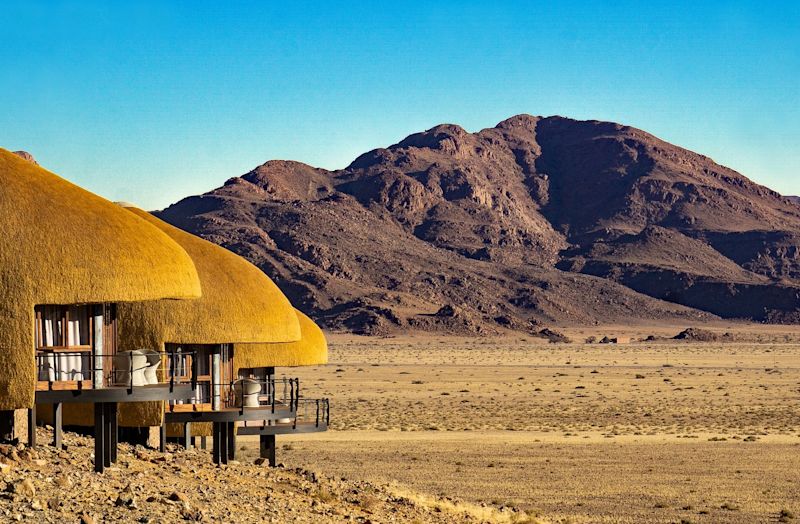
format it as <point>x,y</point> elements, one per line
<point>534,221</point>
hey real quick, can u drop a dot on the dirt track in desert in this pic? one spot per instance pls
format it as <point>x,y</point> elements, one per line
<point>643,432</point>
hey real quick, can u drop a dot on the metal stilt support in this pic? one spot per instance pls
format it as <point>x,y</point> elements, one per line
<point>216,448</point>
<point>113,431</point>
<point>162,437</point>
<point>58,419</point>
<point>32,427</point>
<point>267,449</point>
<point>232,440</point>
<point>223,443</point>
<point>99,437</point>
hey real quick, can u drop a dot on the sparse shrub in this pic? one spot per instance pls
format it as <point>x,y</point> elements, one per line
<point>323,495</point>
<point>369,503</point>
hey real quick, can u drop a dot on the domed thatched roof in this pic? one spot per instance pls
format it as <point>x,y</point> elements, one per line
<point>239,303</point>
<point>64,245</point>
<point>311,349</point>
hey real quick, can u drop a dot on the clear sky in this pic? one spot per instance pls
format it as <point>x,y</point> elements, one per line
<point>150,102</point>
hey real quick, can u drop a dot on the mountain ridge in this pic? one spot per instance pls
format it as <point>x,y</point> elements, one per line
<point>536,220</point>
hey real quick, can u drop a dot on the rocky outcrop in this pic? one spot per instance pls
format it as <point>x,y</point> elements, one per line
<point>27,156</point>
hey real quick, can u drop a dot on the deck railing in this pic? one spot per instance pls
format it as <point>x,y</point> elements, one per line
<point>316,411</point>
<point>273,392</point>
<point>310,411</point>
<point>81,369</point>
<point>281,393</point>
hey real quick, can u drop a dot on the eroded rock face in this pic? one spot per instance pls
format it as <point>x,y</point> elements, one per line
<point>535,220</point>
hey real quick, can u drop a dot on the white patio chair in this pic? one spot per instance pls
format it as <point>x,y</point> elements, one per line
<point>246,393</point>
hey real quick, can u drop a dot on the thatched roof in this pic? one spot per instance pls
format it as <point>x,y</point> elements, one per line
<point>239,303</point>
<point>311,349</point>
<point>64,245</point>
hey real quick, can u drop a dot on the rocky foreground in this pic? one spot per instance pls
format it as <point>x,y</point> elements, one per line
<point>48,485</point>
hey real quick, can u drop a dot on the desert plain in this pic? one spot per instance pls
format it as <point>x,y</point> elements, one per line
<point>657,431</point>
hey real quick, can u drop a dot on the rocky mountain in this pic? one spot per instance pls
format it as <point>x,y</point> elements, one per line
<point>536,220</point>
<point>795,199</point>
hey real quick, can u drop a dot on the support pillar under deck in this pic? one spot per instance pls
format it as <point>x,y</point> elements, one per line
<point>58,421</point>
<point>162,437</point>
<point>32,427</point>
<point>99,437</point>
<point>232,440</point>
<point>106,435</point>
<point>267,449</point>
<point>216,448</point>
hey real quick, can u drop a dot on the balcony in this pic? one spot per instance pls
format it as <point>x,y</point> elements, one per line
<point>85,376</point>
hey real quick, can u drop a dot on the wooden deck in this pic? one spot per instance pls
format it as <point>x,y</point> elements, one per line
<point>114,394</point>
<point>203,413</point>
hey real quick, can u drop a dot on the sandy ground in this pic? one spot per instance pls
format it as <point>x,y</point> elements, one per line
<point>664,432</point>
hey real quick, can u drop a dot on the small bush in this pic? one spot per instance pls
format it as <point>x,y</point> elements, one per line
<point>323,495</point>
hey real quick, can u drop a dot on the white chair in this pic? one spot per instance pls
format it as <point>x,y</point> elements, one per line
<point>129,368</point>
<point>246,393</point>
<point>153,363</point>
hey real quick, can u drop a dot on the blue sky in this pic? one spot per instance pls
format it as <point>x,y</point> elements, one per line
<point>150,102</point>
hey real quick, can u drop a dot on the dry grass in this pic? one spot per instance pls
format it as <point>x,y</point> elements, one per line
<point>567,431</point>
<point>457,509</point>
